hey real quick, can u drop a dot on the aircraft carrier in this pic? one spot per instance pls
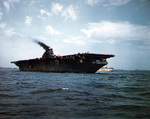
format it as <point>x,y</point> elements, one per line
<point>76,63</point>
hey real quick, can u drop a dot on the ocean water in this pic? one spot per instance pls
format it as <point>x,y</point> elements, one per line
<point>35,95</point>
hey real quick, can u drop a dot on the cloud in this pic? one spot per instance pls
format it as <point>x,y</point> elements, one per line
<point>8,3</point>
<point>107,3</point>
<point>57,8</point>
<point>115,2</point>
<point>69,13</point>
<point>2,25</point>
<point>1,14</point>
<point>12,1</point>
<point>43,14</point>
<point>78,40</point>
<point>117,30</point>
<point>50,30</point>
<point>111,41</point>
<point>10,32</point>
<point>28,20</point>
<point>42,11</point>
<point>91,2</point>
<point>94,41</point>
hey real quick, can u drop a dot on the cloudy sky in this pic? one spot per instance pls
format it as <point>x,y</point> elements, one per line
<point>119,27</point>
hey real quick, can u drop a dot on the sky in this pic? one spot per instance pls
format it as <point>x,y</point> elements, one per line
<point>119,27</point>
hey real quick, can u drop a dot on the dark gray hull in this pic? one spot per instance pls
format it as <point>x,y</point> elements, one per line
<point>78,63</point>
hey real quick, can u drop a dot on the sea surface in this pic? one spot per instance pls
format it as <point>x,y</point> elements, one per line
<point>34,95</point>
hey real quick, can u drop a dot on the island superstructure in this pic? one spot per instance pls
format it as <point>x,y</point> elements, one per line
<point>76,63</point>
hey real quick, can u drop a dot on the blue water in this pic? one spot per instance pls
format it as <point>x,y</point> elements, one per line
<point>34,95</point>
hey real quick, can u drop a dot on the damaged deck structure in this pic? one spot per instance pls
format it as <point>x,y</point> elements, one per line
<point>77,63</point>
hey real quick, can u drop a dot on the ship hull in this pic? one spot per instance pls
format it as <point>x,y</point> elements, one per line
<point>83,63</point>
<point>52,66</point>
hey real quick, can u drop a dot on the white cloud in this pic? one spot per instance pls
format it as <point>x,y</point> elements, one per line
<point>115,2</point>
<point>78,40</point>
<point>69,13</point>
<point>107,3</point>
<point>1,14</point>
<point>57,8</point>
<point>91,2</point>
<point>50,30</point>
<point>10,32</point>
<point>2,25</point>
<point>43,14</point>
<point>111,41</point>
<point>117,30</point>
<point>7,5</point>
<point>28,20</point>
<point>12,1</point>
<point>42,11</point>
<point>95,41</point>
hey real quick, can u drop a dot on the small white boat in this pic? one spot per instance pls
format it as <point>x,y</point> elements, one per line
<point>105,69</point>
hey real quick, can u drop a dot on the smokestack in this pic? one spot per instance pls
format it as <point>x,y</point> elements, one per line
<point>48,51</point>
<point>45,47</point>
